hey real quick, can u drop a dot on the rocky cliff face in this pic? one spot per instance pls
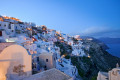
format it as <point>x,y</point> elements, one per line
<point>99,60</point>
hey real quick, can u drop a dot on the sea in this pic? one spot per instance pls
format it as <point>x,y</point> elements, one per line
<point>114,49</point>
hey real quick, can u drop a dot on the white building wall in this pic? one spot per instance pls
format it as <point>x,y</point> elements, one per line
<point>101,76</point>
<point>51,60</point>
<point>12,57</point>
<point>114,74</point>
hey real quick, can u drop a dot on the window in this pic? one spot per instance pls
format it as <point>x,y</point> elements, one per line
<point>45,67</point>
<point>9,27</point>
<point>12,31</point>
<point>34,65</point>
<point>16,27</point>
<point>37,59</point>
<point>5,25</point>
<point>0,33</point>
<point>46,60</point>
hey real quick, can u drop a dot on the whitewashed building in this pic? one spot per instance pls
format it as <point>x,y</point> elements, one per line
<point>114,74</point>
<point>48,60</point>
<point>15,63</point>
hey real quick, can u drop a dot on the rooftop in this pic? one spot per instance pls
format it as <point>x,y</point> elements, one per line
<point>104,73</point>
<point>52,74</point>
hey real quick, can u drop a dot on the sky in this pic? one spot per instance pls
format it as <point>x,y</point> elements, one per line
<point>96,18</point>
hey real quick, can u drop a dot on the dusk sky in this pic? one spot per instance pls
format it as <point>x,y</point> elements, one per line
<point>97,18</point>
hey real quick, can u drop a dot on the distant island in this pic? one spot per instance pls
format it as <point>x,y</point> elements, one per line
<point>108,40</point>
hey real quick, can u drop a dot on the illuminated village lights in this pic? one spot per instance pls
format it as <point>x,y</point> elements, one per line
<point>89,56</point>
<point>59,60</point>
<point>60,38</point>
<point>29,29</point>
<point>62,41</point>
<point>49,48</point>
<point>34,39</point>
<point>77,37</point>
<point>63,56</point>
<point>90,39</point>
<point>25,38</point>
<point>58,33</point>
<point>7,17</point>
<point>44,28</point>
<point>35,52</point>
<point>1,19</point>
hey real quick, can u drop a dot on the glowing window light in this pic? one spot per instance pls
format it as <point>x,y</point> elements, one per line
<point>7,40</point>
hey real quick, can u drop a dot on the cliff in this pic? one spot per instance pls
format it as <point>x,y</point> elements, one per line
<point>99,60</point>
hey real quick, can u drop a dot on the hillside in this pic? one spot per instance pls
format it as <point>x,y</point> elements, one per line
<point>99,60</point>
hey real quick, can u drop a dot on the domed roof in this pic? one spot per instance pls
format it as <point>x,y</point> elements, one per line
<point>43,26</point>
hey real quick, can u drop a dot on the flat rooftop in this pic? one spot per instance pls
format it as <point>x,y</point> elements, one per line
<point>104,73</point>
<point>51,74</point>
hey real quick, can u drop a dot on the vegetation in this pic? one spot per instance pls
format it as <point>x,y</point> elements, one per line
<point>67,57</point>
<point>84,71</point>
<point>94,78</point>
<point>74,40</point>
<point>65,49</point>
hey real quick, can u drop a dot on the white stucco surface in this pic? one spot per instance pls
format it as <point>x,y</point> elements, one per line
<point>11,56</point>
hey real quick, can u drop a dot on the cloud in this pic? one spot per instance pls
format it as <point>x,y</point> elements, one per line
<point>93,30</point>
<point>100,32</point>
